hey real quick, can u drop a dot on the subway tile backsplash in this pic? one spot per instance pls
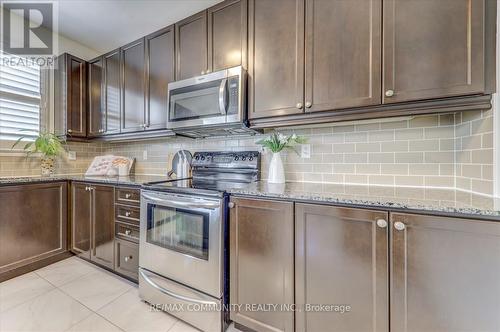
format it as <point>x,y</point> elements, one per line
<point>449,150</point>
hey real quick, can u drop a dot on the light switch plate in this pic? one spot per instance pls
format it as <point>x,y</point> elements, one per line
<point>305,151</point>
<point>72,155</point>
<point>145,155</point>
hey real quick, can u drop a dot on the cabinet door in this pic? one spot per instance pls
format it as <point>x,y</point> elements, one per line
<point>103,231</point>
<point>261,263</point>
<point>33,224</point>
<point>343,60</point>
<point>76,97</point>
<point>133,87</point>
<point>160,58</point>
<point>275,58</point>
<point>227,35</point>
<point>97,115</point>
<point>112,91</point>
<point>191,46</point>
<point>445,274</point>
<point>432,49</point>
<point>81,214</point>
<point>341,259</point>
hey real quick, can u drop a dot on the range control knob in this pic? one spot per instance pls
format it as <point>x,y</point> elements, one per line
<point>250,158</point>
<point>197,158</point>
<point>202,157</point>
<point>243,158</point>
<point>236,158</point>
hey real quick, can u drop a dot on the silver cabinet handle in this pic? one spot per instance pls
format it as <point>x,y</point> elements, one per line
<point>128,232</point>
<point>127,214</point>
<point>230,205</point>
<point>308,104</point>
<point>399,225</point>
<point>389,93</point>
<point>127,196</point>
<point>127,258</point>
<point>382,223</point>
<point>299,105</point>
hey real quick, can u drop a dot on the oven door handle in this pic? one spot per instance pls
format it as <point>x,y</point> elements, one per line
<point>222,96</point>
<point>172,294</point>
<point>193,205</point>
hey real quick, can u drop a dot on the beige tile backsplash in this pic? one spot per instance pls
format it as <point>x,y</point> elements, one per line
<point>448,150</point>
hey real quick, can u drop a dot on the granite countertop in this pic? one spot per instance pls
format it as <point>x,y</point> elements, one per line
<point>435,200</point>
<point>132,180</point>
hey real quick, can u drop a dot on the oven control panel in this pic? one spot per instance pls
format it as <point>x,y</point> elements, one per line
<point>240,159</point>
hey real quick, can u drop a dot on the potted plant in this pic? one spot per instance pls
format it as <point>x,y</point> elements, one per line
<point>48,145</point>
<point>277,142</point>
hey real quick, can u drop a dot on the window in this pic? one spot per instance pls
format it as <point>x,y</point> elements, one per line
<point>20,98</point>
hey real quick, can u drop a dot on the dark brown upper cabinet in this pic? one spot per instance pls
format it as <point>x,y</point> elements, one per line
<point>434,49</point>
<point>96,107</point>
<point>191,46</point>
<point>227,35</point>
<point>133,87</point>
<point>275,58</point>
<point>71,97</point>
<point>112,91</point>
<point>343,59</point>
<point>160,67</point>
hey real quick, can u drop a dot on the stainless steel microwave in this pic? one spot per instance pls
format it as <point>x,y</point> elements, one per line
<point>209,105</point>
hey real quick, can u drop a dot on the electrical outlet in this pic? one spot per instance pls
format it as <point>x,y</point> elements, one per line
<point>145,155</point>
<point>305,151</point>
<point>72,155</point>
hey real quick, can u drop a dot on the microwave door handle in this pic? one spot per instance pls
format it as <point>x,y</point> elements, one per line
<point>222,96</point>
<point>193,205</point>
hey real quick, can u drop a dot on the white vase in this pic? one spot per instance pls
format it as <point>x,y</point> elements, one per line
<point>276,170</point>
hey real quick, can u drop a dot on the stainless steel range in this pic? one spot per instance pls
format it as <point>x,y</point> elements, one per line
<point>183,236</point>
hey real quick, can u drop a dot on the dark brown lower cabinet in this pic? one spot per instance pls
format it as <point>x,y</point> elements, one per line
<point>127,258</point>
<point>103,225</point>
<point>33,224</point>
<point>341,269</point>
<point>261,262</point>
<point>445,274</point>
<point>93,222</point>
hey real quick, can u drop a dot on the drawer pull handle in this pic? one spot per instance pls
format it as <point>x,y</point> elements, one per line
<point>127,196</point>
<point>127,214</point>
<point>128,232</point>
<point>127,258</point>
<point>382,223</point>
<point>399,225</point>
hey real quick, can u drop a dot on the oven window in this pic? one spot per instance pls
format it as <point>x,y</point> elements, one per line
<point>196,101</point>
<point>180,230</point>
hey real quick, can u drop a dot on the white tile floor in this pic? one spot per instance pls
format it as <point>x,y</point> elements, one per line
<point>74,295</point>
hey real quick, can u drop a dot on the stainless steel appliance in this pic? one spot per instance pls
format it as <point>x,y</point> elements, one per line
<point>209,105</point>
<point>183,238</point>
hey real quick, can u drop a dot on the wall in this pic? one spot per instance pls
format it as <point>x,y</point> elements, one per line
<point>448,150</point>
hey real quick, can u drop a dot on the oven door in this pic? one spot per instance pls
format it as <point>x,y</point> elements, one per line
<point>211,99</point>
<point>181,239</point>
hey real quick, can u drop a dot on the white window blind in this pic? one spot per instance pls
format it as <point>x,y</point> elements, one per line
<point>19,98</point>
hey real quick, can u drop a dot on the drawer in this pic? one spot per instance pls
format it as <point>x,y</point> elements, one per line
<point>128,196</point>
<point>127,231</point>
<point>128,214</point>
<point>127,258</point>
